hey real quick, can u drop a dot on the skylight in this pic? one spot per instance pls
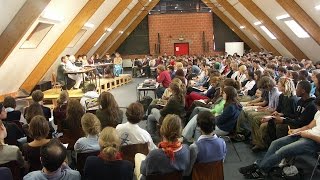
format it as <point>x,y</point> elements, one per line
<point>297,29</point>
<point>266,30</point>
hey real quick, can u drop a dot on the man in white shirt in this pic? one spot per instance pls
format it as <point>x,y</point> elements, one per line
<point>71,67</point>
<point>130,132</point>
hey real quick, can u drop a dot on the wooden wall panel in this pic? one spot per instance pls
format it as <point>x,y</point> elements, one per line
<point>237,16</point>
<point>302,18</point>
<point>132,26</point>
<point>106,23</point>
<point>61,43</point>
<point>231,25</point>
<point>281,36</point>
<point>121,27</point>
<point>20,24</point>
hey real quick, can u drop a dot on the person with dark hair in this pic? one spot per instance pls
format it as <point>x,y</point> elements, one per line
<point>108,164</point>
<point>303,75</point>
<point>130,132</point>
<point>10,104</point>
<point>89,100</point>
<point>164,79</point>
<point>304,140</point>
<point>171,71</point>
<point>52,157</point>
<point>208,142</point>
<point>37,97</point>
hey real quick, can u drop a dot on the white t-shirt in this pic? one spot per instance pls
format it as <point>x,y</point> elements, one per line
<point>133,134</point>
<point>316,130</point>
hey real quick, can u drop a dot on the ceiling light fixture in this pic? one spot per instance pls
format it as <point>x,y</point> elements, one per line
<point>266,30</point>
<point>297,29</point>
<point>242,27</point>
<point>89,25</point>
<point>317,7</point>
<point>284,16</point>
<point>109,29</point>
<point>257,23</point>
<point>99,39</point>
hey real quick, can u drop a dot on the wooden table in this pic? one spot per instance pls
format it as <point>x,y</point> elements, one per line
<point>104,65</point>
<point>140,89</point>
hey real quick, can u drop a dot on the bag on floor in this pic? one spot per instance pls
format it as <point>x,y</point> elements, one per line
<point>287,173</point>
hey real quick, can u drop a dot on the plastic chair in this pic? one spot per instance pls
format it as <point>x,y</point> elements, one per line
<point>5,173</point>
<point>208,171</point>
<point>15,169</point>
<point>315,166</point>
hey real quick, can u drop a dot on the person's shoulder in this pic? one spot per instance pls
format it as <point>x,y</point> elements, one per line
<point>72,174</point>
<point>34,175</point>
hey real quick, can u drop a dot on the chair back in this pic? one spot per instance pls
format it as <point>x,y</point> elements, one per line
<point>176,175</point>
<point>208,171</point>
<point>81,159</point>
<point>129,151</point>
<point>5,173</point>
<point>15,169</point>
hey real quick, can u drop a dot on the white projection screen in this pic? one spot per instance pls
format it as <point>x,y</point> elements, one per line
<point>234,47</point>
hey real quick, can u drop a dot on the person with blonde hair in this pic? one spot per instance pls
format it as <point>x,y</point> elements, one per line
<point>171,156</point>
<point>91,127</point>
<point>109,163</point>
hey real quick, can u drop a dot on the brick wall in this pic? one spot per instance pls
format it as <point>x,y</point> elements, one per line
<point>189,26</point>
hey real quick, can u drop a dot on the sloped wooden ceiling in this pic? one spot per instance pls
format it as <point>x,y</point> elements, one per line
<point>17,28</point>
<point>302,18</point>
<point>107,22</point>
<point>121,27</point>
<point>132,26</point>
<point>61,43</point>
<point>281,36</point>
<point>232,26</point>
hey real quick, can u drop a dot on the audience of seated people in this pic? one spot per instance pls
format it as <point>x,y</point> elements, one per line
<point>267,86</point>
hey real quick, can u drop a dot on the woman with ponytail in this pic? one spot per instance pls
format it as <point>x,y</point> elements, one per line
<point>108,164</point>
<point>171,156</point>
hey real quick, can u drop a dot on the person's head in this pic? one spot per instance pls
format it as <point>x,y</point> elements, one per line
<point>179,65</point>
<point>180,72</point>
<point>314,76</point>
<point>282,71</point>
<point>33,110</point>
<point>171,68</point>
<point>234,66</point>
<point>74,113</point>
<point>266,83</point>
<point>177,90</point>
<point>258,93</point>
<point>171,128</point>
<point>64,59</point>
<point>37,96</point>
<point>107,101</point>
<point>109,142</point>
<point>135,112</point>
<point>257,75</point>
<point>303,88</point>
<point>63,97</point>
<point>3,133</point>
<point>286,86</point>
<point>160,68</point>
<point>317,81</point>
<point>52,155</point>
<point>91,87</point>
<point>230,82</point>
<point>117,54</point>
<point>242,69</point>
<point>39,127</point>
<point>250,75</point>
<point>205,121</point>
<point>9,101</point>
<point>3,112</point>
<point>230,94</point>
<point>303,74</point>
<point>90,124</point>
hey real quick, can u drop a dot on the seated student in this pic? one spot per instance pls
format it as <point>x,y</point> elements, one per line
<point>175,105</point>
<point>171,156</point>
<point>208,142</point>
<point>7,152</point>
<point>110,113</point>
<point>91,94</point>
<point>163,79</point>
<point>109,163</point>
<point>91,127</point>
<point>304,140</point>
<point>39,130</point>
<point>60,111</point>
<point>10,104</point>
<point>52,157</point>
<point>37,97</point>
<point>226,121</point>
<point>249,83</point>
<point>130,132</point>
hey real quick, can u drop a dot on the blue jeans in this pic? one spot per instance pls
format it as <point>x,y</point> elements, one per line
<point>196,110</point>
<point>286,147</point>
<point>159,91</point>
<point>117,69</point>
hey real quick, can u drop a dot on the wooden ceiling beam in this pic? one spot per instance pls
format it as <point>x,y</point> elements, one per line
<point>231,25</point>
<point>277,32</point>
<point>61,43</point>
<point>302,18</point>
<point>106,23</point>
<point>19,25</point>
<point>132,27</point>
<point>238,17</point>
<point>121,26</point>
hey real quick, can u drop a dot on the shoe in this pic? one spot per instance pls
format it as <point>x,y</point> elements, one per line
<point>239,138</point>
<point>257,174</point>
<point>145,117</point>
<point>248,169</point>
<point>257,148</point>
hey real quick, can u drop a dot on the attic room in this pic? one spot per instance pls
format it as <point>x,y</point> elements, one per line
<point>169,89</point>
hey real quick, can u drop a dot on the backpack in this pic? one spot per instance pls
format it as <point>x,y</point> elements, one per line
<point>278,174</point>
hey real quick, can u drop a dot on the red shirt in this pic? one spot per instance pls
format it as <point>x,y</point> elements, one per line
<point>164,78</point>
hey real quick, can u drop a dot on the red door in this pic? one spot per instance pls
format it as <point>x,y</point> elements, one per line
<point>181,49</point>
